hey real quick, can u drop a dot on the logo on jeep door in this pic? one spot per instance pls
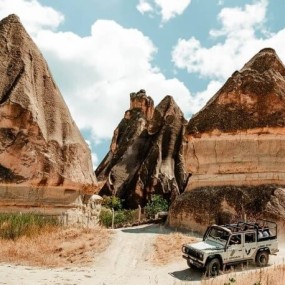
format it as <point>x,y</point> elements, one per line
<point>248,251</point>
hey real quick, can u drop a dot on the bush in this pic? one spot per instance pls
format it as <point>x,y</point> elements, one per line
<point>122,217</point>
<point>13,226</point>
<point>112,202</point>
<point>106,217</point>
<point>157,204</point>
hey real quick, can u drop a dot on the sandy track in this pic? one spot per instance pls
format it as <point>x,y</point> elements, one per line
<point>126,261</point>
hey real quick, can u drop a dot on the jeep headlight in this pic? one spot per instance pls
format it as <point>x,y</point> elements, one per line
<point>201,255</point>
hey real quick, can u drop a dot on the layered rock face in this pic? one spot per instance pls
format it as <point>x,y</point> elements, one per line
<point>238,137</point>
<point>145,156</point>
<point>43,157</point>
<point>236,149</point>
<point>198,208</point>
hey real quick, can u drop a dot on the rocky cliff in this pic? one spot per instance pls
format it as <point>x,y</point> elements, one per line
<point>145,156</point>
<point>43,158</point>
<point>200,207</point>
<point>236,147</point>
<point>238,137</point>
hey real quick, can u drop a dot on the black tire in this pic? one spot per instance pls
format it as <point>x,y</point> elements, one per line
<point>262,258</point>
<point>213,267</point>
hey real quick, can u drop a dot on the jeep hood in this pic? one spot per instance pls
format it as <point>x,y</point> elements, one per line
<point>207,245</point>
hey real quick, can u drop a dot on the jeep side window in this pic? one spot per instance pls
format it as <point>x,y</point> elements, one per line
<point>249,237</point>
<point>235,239</point>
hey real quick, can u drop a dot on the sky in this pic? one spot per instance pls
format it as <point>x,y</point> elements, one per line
<point>100,51</point>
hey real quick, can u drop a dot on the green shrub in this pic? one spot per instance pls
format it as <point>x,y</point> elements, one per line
<point>122,217</point>
<point>131,216</point>
<point>157,204</point>
<point>106,217</point>
<point>13,226</point>
<point>112,202</point>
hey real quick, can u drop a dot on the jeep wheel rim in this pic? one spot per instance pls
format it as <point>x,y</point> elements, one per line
<point>262,259</point>
<point>215,269</point>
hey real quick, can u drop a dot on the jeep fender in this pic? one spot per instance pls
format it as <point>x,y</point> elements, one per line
<point>215,256</point>
<point>263,249</point>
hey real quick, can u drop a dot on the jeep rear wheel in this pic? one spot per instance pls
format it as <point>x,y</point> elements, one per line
<point>262,258</point>
<point>213,267</point>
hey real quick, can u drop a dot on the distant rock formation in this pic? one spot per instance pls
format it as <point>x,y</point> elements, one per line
<point>44,160</point>
<point>145,156</point>
<point>238,137</point>
<point>236,148</point>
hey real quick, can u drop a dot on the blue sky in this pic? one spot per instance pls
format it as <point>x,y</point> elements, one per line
<point>100,51</point>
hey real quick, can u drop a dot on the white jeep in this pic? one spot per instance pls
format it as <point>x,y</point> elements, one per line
<point>231,244</point>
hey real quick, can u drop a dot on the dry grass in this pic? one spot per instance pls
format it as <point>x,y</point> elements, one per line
<point>167,248</point>
<point>274,275</point>
<point>56,247</point>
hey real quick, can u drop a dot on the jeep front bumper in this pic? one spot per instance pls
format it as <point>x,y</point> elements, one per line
<point>197,263</point>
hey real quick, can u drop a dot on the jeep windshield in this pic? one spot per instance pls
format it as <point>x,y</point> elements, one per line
<point>217,234</point>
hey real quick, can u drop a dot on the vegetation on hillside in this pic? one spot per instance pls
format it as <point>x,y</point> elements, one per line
<point>15,225</point>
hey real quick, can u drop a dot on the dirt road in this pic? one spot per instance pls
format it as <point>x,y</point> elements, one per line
<point>126,261</point>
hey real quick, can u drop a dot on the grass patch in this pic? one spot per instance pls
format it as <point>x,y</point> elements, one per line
<point>13,226</point>
<point>60,247</point>
<point>167,248</point>
<point>272,275</point>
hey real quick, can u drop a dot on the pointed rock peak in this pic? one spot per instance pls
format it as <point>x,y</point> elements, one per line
<point>12,18</point>
<point>268,50</point>
<point>145,155</point>
<point>168,103</point>
<point>39,140</point>
<point>166,113</point>
<point>11,21</point>
<point>251,98</point>
<point>265,60</point>
<point>139,100</point>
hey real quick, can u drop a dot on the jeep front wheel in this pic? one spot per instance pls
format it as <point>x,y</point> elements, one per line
<point>262,258</point>
<point>213,267</point>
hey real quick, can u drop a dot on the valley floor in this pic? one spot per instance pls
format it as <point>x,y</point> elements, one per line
<point>128,261</point>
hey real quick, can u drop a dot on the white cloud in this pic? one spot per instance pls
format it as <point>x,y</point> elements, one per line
<point>144,7</point>
<point>33,14</point>
<point>96,73</point>
<point>241,36</point>
<point>171,9</point>
<point>242,22</point>
<point>168,9</point>
<point>201,98</point>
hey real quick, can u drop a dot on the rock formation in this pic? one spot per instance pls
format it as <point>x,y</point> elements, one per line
<point>236,145</point>
<point>43,158</point>
<point>145,156</point>
<point>238,137</point>
<point>198,208</point>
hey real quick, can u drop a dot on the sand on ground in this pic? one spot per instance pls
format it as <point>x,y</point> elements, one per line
<point>126,261</point>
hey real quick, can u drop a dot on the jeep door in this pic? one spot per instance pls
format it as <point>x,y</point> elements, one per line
<point>234,248</point>
<point>250,245</point>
